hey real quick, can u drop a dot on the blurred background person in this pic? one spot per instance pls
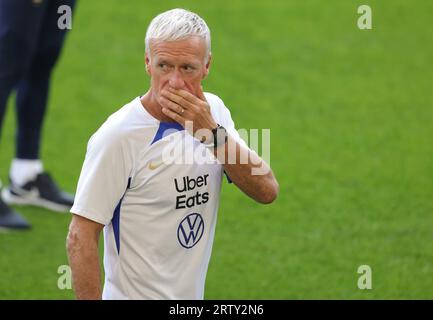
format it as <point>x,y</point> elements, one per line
<point>30,44</point>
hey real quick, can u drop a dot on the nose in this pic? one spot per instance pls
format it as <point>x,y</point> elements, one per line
<point>176,81</point>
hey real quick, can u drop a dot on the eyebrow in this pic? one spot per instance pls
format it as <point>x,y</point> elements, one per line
<point>163,61</point>
<point>192,65</point>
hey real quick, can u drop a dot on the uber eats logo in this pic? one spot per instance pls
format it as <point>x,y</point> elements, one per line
<point>185,185</point>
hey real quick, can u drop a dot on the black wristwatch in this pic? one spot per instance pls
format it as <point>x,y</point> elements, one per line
<point>220,137</point>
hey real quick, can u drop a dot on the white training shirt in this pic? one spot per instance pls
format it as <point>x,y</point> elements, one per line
<point>159,217</point>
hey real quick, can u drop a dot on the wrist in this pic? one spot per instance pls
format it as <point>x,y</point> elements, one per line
<point>219,137</point>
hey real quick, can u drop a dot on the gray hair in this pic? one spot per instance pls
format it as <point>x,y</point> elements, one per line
<point>177,24</point>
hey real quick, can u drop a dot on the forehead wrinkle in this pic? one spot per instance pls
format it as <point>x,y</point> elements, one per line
<point>179,51</point>
<point>180,59</point>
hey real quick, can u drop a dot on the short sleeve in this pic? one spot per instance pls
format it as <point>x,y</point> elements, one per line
<point>104,178</point>
<point>229,124</point>
<point>223,117</point>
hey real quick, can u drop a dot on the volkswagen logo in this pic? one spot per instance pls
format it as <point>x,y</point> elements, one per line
<point>190,230</point>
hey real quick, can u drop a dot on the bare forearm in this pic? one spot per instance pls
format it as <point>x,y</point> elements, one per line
<point>248,171</point>
<point>84,262</point>
<point>254,177</point>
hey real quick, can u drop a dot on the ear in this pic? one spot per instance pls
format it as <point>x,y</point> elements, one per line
<point>207,66</point>
<point>147,64</point>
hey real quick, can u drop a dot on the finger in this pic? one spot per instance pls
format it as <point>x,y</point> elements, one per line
<point>172,106</point>
<point>187,96</point>
<point>180,100</point>
<point>176,117</point>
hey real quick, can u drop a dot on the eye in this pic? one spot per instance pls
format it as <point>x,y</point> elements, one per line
<point>188,68</point>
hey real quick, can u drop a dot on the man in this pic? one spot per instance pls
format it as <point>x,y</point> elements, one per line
<point>158,215</point>
<point>30,44</point>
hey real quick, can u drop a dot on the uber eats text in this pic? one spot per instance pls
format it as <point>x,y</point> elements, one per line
<point>187,184</point>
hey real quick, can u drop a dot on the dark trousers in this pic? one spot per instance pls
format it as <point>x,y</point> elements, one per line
<point>30,43</point>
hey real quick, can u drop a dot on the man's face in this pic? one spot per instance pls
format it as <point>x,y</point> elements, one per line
<point>178,64</point>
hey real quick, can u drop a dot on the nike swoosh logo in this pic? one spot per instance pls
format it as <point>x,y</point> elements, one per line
<point>155,164</point>
<point>32,193</point>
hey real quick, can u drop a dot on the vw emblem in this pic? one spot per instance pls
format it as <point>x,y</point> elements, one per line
<point>190,230</point>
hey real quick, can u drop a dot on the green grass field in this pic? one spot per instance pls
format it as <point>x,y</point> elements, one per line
<point>351,118</point>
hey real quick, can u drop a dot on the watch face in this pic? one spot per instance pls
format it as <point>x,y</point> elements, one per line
<point>220,136</point>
